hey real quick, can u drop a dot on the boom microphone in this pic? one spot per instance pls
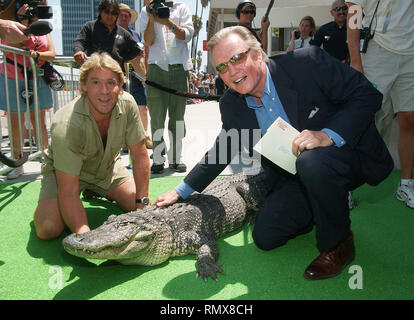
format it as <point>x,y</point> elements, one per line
<point>269,7</point>
<point>39,28</point>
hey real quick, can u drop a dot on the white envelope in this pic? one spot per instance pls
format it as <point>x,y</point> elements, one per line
<point>276,145</point>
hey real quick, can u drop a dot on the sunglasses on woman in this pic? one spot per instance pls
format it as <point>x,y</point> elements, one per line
<point>234,60</point>
<point>337,9</point>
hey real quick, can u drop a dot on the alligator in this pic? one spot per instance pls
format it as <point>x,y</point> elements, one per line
<point>152,235</point>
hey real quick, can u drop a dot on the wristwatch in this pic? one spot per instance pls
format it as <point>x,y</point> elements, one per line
<point>173,27</point>
<point>144,201</point>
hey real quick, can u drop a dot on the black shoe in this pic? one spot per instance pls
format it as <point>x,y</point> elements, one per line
<point>157,168</point>
<point>178,167</point>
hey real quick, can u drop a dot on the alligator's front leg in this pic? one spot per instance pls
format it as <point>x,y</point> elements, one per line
<point>206,260</point>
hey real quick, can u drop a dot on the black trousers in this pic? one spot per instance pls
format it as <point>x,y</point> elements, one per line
<point>316,196</point>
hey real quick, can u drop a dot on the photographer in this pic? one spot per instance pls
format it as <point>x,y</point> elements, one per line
<point>167,31</point>
<point>41,49</point>
<point>389,63</point>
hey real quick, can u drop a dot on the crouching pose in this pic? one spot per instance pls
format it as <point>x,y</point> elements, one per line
<point>86,138</point>
<point>338,148</point>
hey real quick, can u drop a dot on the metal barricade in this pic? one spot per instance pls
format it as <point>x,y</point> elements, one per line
<point>8,140</point>
<point>65,65</point>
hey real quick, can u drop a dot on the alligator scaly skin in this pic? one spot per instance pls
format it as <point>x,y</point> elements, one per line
<point>153,235</point>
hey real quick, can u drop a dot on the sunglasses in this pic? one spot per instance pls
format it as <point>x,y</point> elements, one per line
<point>234,60</point>
<point>114,13</point>
<point>248,12</point>
<point>337,9</point>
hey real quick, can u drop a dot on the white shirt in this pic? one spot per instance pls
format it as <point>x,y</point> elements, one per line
<point>394,23</point>
<point>298,42</point>
<point>167,49</point>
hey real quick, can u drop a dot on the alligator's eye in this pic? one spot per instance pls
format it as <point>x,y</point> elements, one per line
<point>111,218</point>
<point>144,236</point>
<point>125,224</point>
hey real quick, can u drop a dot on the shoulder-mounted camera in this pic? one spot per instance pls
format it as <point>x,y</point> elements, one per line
<point>36,10</point>
<point>160,8</point>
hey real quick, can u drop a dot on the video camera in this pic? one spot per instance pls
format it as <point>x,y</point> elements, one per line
<point>160,8</point>
<point>36,9</point>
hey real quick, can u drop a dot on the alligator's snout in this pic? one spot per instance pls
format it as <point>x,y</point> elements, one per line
<point>128,241</point>
<point>75,243</point>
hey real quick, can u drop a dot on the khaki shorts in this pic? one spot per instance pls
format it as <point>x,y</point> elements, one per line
<point>394,76</point>
<point>49,187</point>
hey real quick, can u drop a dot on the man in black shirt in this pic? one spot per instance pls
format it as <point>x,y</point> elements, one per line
<point>105,35</point>
<point>333,34</point>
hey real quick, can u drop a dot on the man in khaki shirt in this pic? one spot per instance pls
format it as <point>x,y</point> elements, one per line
<point>86,137</point>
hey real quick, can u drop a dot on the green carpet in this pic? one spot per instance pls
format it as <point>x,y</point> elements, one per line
<point>35,269</point>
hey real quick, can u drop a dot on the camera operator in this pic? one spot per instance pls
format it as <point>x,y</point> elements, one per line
<point>167,31</point>
<point>104,35</point>
<point>389,63</point>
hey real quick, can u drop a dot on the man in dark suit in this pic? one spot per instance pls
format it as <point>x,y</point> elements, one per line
<point>338,148</point>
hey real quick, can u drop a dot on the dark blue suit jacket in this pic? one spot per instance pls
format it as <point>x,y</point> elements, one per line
<point>316,91</point>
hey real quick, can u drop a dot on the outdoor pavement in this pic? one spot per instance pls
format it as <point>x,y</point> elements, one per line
<point>203,123</point>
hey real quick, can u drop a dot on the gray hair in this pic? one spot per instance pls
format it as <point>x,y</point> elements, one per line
<point>244,33</point>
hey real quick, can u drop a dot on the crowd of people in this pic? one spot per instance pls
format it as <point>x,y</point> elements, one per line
<point>340,98</point>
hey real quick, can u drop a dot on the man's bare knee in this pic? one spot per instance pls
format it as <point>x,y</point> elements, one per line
<point>48,230</point>
<point>47,220</point>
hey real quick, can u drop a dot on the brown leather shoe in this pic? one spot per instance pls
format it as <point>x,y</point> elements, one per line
<point>330,264</point>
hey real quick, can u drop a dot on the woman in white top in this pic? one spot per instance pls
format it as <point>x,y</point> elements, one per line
<point>306,31</point>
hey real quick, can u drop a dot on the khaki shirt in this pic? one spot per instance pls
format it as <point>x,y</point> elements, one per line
<point>76,145</point>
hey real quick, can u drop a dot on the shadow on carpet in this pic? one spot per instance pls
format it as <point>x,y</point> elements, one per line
<point>35,269</point>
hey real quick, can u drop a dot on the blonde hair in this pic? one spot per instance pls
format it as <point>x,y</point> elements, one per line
<point>99,61</point>
<point>244,33</point>
<point>311,22</point>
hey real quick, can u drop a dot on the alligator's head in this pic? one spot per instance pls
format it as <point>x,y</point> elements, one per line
<point>139,237</point>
